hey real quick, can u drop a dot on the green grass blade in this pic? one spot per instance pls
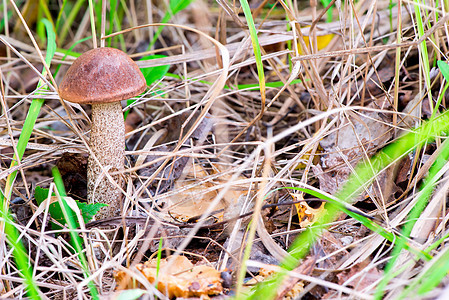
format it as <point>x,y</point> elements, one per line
<point>256,46</point>
<point>2,21</point>
<point>69,22</point>
<point>433,277</point>
<point>430,279</point>
<point>76,240</point>
<point>370,224</point>
<point>32,115</point>
<point>422,200</point>
<point>444,68</point>
<point>363,175</point>
<point>112,16</point>
<point>274,84</point>
<point>261,75</point>
<point>427,190</point>
<point>329,17</point>
<point>423,47</point>
<point>20,255</point>
<point>158,260</point>
<point>92,21</point>
<point>59,17</point>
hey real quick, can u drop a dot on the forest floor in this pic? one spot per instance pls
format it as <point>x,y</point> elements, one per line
<point>314,149</point>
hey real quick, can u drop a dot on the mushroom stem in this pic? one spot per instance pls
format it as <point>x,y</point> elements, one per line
<point>107,142</point>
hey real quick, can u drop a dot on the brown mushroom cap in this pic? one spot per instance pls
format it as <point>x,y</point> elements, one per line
<point>102,75</point>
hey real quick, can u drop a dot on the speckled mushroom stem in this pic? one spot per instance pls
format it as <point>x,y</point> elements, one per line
<point>107,142</point>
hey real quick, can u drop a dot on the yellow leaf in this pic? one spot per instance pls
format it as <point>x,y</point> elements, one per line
<point>181,279</point>
<point>322,42</point>
<point>306,214</point>
<point>306,157</point>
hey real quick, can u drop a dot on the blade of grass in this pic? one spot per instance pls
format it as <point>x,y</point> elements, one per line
<point>259,65</point>
<point>444,68</point>
<point>362,176</point>
<point>31,117</point>
<point>43,11</point>
<point>329,17</point>
<point>434,274</point>
<point>261,75</point>
<point>256,49</point>
<point>423,48</point>
<point>424,196</point>
<point>20,255</point>
<point>59,17</point>
<point>76,240</point>
<point>397,64</point>
<point>119,17</point>
<point>92,24</point>
<point>112,17</point>
<point>69,22</point>
<point>274,84</point>
<point>2,21</point>
<point>158,261</point>
<point>370,224</point>
<point>426,281</point>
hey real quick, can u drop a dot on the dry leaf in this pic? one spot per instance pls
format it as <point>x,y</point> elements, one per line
<point>180,279</point>
<point>293,290</point>
<point>306,214</point>
<point>356,136</point>
<point>359,276</point>
<point>305,158</point>
<point>321,40</point>
<point>194,201</point>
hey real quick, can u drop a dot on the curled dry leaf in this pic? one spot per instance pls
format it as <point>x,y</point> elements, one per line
<point>305,158</point>
<point>194,201</point>
<point>177,277</point>
<point>292,292</point>
<point>306,214</point>
<point>357,137</point>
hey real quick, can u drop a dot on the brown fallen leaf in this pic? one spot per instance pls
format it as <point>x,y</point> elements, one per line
<point>291,287</point>
<point>194,201</point>
<point>359,276</point>
<point>357,136</point>
<point>177,277</point>
<point>306,214</point>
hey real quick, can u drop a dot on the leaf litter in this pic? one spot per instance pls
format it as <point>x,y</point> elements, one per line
<point>197,196</point>
<point>176,277</point>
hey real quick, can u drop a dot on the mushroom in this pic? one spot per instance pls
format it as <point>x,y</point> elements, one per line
<point>103,77</point>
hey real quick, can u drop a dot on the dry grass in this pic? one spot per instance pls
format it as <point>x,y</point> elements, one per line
<point>199,136</point>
